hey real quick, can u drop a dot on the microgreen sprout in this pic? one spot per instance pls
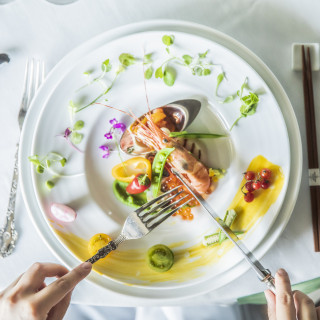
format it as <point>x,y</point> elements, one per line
<point>198,65</point>
<point>46,164</point>
<point>221,76</point>
<point>168,41</point>
<point>126,60</point>
<point>106,66</point>
<point>72,135</point>
<point>249,103</point>
<point>147,62</point>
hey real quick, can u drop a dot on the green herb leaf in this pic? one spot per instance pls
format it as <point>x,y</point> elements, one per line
<point>249,102</point>
<point>106,66</point>
<point>220,77</point>
<point>147,58</point>
<point>187,59</point>
<point>203,55</point>
<point>148,73</point>
<point>169,76</point>
<point>76,137</point>
<point>127,59</point>
<point>206,72</point>
<point>159,73</point>
<point>198,71</point>
<point>63,162</point>
<point>248,107</point>
<point>78,125</point>
<point>252,109</point>
<point>244,86</point>
<point>34,159</point>
<point>168,40</point>
<point>48,163</point>
<point>72,109</point>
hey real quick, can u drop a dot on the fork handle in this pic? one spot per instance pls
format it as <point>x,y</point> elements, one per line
<point>8,234</point>
<point>103,252</point>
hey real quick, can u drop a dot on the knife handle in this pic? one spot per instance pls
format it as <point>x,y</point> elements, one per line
<point>269,281</point>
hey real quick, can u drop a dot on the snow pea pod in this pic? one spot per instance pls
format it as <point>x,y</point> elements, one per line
<point>157,169</point>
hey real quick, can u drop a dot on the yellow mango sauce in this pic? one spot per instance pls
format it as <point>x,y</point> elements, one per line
<point>130,266</point>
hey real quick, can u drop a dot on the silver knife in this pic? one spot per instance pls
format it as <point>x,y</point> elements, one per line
<point>263,274</point>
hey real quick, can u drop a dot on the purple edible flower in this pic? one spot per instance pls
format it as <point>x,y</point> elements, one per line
<point>120,126</point>
<point>106,151</point>
<point>108,135</point>
<point>113,121</point>
<point>67,133</point>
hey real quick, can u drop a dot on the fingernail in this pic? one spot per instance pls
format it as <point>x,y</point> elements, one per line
<point>86,266</point>
<point>282,272</point>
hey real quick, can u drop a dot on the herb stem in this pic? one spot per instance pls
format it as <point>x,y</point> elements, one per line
<point>119,153</point>
<point>236,122</point>
<point>100,95</point>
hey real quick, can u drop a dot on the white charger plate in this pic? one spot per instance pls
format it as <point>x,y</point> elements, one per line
<point>253,136</point>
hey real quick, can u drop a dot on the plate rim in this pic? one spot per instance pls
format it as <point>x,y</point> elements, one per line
<point>244,53</point>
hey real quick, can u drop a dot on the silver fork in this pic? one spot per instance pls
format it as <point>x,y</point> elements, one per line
<point>34,75</point>
<point>145,219</point>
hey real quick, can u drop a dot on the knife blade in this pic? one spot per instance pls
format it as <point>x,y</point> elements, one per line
<point>263,274</point>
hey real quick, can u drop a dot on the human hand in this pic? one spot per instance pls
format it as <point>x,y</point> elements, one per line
<point>28,297</point>
<point>288,305</point>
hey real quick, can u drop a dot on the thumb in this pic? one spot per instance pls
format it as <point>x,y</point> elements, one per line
<point>54,293</point>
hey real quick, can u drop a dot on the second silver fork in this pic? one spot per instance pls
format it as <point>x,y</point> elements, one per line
<point>34,75</point>
<point>145,219</point>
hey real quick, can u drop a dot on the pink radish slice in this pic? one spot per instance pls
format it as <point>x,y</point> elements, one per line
<point>63,213</point>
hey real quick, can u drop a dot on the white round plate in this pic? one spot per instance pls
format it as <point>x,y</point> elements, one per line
<point>272,132</point>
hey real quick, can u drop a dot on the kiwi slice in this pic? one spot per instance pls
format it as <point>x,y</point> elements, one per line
<point>160,258</point>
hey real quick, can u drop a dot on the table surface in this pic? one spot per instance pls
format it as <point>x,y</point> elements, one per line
<point>37,28</point>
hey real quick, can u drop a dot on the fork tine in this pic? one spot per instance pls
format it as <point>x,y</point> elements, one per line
<point>37,76</point>
<point>165,217</point>
<point>43,71</point>
<point>150,203</point>
<point>160,205</point>
<point>25,91</point>
<point>168,207</point>
<point>30,83</point>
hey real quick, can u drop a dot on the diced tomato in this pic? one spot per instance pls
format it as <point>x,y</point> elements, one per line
<point>139,184</point>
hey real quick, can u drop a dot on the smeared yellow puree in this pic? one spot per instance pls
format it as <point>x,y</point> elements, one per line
<point>130,265</point>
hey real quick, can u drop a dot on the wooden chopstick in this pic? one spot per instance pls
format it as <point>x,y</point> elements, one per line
<point>313,163</point>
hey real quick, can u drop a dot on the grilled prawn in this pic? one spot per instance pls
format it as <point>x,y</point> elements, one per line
<point>181,159</point>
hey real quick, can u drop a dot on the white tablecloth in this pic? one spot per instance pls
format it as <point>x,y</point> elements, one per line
<point>36,28</point>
